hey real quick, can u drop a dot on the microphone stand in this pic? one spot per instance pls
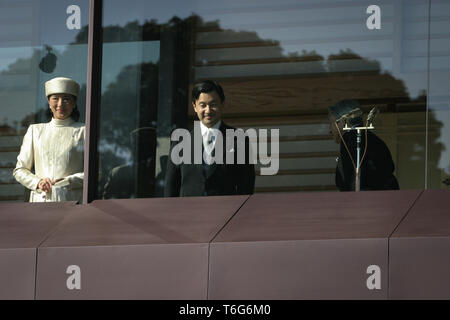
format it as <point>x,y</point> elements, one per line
<point>358,150</point>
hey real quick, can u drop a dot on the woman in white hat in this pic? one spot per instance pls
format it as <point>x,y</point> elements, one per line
<point>55,149</point>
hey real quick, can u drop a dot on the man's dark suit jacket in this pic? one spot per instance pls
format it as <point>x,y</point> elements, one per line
<point>377,167</point>
<point>220,179</point>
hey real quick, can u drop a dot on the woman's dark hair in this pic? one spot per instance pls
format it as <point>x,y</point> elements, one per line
<point>206,87</point>
<point>75,115</point>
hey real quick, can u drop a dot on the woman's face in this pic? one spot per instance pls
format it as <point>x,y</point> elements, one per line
<point>62,105</point>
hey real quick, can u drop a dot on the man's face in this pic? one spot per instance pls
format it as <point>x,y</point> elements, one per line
<point>61,105</point>
<point>333,129</point>
<point>208,108</point>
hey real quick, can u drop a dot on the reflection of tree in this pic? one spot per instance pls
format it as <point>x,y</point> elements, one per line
<point>435,149</point>
<point>231,36</point>
<point>132,31</point>
<point>332,64</point>
<point>125,107</point>
<point>342,75</point>
<point>307,55</point>
<point>334,59</point>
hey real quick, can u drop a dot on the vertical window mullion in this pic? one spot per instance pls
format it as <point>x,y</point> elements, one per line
<point>93,99</point>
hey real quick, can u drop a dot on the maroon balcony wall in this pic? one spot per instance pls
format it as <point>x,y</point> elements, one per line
<point>307,246</point>
<point>420,250</point>
<point>134,249</point>
<point>23,226</point>
<point>271,246</point>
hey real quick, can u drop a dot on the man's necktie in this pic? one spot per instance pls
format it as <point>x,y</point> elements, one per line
<point>209,146</point>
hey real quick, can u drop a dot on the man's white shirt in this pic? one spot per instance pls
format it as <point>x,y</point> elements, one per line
<point>209,139</point>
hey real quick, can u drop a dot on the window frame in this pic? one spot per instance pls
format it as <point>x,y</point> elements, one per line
<point>93,100</point>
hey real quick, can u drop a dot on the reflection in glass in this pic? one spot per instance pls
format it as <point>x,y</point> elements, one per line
<point>439,101</point>
<point>127,142</point>
<point>131,180</point>
<point>282,65</point>
<point>35,46</point>
<point>364,162</point>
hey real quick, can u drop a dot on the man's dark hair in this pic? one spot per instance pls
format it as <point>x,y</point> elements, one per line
<point>207,86</point>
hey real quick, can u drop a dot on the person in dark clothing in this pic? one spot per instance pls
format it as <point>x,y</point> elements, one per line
<point>377,166</point>
<point>210,178</point>
<point>134,179</point>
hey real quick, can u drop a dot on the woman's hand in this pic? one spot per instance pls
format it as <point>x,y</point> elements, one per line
<point>45,185</point>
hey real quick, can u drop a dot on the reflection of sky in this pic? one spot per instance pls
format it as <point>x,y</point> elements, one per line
<point>10,55</point>
<point>119,12</point>
<point>27,82</point>
<point>34,23</point>
<point>118,55</point>
<point>444,158</point>
<point>53,16</point>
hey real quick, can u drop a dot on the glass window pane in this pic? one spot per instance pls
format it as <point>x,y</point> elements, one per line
<point>281,65</point>
<point>127,142</point>
<point>439,100</point>
<point>39,40</point>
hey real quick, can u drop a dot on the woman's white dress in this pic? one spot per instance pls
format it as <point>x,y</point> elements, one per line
<point>53,150</point>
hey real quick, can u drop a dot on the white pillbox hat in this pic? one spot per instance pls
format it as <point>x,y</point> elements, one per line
<point>61,85</point>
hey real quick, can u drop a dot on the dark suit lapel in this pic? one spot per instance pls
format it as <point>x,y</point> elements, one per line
<point>211,168</point>
<point>198,168</point>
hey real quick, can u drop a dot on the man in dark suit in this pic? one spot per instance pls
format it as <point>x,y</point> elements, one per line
<point>377,168</point>
<point>214,175</point>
